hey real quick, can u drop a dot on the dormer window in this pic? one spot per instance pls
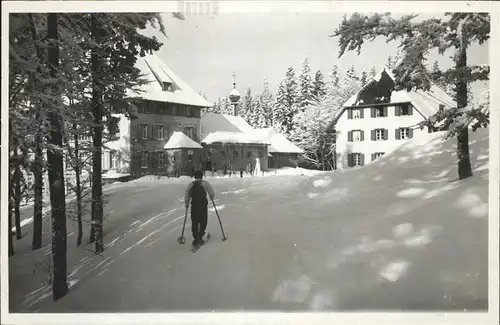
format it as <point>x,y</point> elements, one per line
<point>167,86</point>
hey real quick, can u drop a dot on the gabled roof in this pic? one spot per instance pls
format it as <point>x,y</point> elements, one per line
<point>419,98</point>
<point>278,142</point>
<point>225,128</point>
<point>159,74</point>
<point>179,140</point>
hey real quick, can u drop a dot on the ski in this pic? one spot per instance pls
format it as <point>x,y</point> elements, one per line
<point>194,249</point>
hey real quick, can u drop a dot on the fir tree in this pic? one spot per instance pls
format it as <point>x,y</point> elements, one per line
<point>305,97</point>
<point>280,110</point>
<point>350,74</point>
<point>334,77</point>
<point>364,78</point>
<point>455,31</point>
<point>319,86</point>
<point>373,72</point>
<point>266,105</point>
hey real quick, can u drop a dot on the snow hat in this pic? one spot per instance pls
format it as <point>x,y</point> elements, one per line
<point>198,174</point>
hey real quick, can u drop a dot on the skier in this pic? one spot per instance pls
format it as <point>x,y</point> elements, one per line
<point>196,193</point>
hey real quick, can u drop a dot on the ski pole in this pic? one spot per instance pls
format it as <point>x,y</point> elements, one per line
<point>181,239</point>
<point>220,222</point>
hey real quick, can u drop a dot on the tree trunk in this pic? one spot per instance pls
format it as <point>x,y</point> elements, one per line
<point>38,194</point>
<point>97,208</point>
<point>9,232</point>
<point>38,163</point>
<point>78,187</point>
<point>56,173</point>
<point>17,195</point>
<point>464,166</point>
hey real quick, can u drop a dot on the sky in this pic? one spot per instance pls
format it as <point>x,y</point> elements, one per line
<point>205,51</point>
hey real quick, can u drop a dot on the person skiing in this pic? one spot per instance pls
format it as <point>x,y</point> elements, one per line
<point>196,194</point>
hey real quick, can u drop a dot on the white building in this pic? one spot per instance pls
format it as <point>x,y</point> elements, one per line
<point>377,119</point>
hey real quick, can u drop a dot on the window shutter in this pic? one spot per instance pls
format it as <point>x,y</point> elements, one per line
<point>410,133</point>
<point>151,131</point>
<point>349,160</point>
<point>385,111</point>
<point>153,159</point>
<point>410,109</point>
<point>195,133</point>
<point>361,113</point>
<point>349,113</point>
<point>362,135</point>
<point>373,112</point>
<point>398,110</point>
<point>362,159</point>
<point>349,136</point>
<point>139,131</point>
<point>373,156</point>
<point>373,135</point>
<point>386,134</point>
<point>397,134</point>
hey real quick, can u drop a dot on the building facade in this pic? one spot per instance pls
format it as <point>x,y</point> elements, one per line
<point>231,144</point>
<point>167,105</point>
<point>378,119</point>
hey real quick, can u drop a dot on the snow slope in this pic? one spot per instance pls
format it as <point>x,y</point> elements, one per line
<point>400,233</point>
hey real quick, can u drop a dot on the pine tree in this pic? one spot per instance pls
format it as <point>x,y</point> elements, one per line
<point>280,110</point>
<point>266,105</point>
<point>319,86</point>
<point>364,78</point>
<point>350,74</point>
<point>373,72</point>
<point>455,31</point>
<point>334,77</point>
<point>305,97</point>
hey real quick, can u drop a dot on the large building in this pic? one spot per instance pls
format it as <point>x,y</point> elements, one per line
<point>168,105</point>
<point>377,119</point>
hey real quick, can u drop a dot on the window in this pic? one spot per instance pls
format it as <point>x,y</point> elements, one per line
<point>235,154</point>
<point>174,110</point>
<point>160,159</point>
<point>222,155</point>
<point>140,109</point>
<point>404,133</point>
<point>356,113</point>
<point>188,130</point>
<point>356,159</point>
<point>144,131</point>
<point>441,107</point>
<point>379,112</point>
<point>159,132</point>
<point>249,154</point>
<point>405,110</point>
<point>379,134</point>
<point>356,136</point>
<point>144,159</point>
<point>377,155</point>
<point>260,152</point>
<point>189,111</point>
<point>114,159</point>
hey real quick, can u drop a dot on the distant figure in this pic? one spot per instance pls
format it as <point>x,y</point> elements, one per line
<point>196,194</point>
<point>257,166</point>
<point>190,168</point>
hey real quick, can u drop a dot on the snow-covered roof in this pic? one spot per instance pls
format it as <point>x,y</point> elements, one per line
<point>159,74</point>
<point>224,128</point>
<point>278,142</point>
<point>212,122</point>
<point>179,140</point>
<point>426,102</point>
<point>233,137</point>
